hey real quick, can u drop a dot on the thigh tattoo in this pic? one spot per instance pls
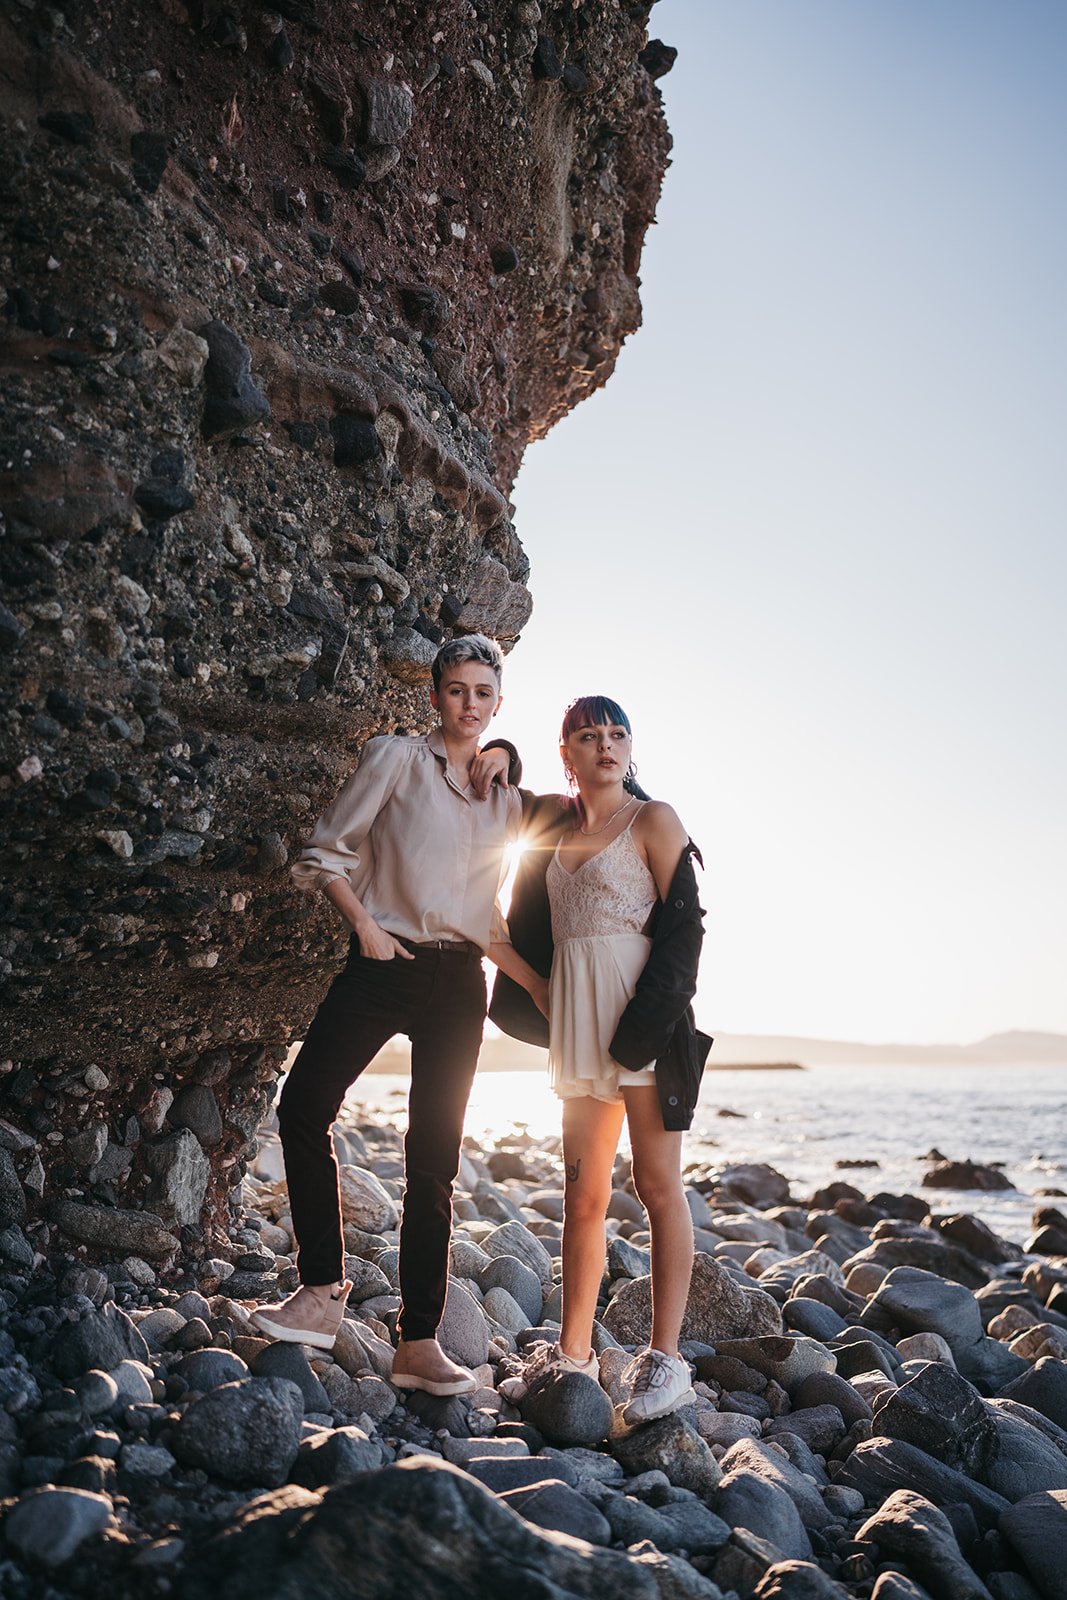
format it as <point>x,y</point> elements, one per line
<point>573,1170</point>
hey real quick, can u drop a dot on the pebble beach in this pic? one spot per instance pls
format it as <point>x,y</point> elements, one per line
<point>880,1404</point>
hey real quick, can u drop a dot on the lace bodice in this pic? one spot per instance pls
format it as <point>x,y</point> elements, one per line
<point>611,892</point>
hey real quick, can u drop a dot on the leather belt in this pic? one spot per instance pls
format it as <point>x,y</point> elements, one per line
<point>459,947</point>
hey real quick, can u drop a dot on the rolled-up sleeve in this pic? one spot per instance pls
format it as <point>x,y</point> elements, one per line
<point>332,849</point>
<point>499,932</point>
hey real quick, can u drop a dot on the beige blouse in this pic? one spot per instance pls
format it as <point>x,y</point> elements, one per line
<point>425,857</point>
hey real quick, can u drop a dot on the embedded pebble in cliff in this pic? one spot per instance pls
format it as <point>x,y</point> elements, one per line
<point>232,400</point>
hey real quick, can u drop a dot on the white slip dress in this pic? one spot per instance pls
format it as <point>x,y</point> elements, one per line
<point>599,912</point>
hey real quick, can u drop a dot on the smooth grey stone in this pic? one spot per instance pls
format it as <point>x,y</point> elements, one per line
<point>786,1359</point>
<point>1044,1387</point>
<point>180,1171</point>
<point>515,1239</point>
<point>591,1466</point>
<point>460,1452</point>
<point>519,1280</point>
<point>746,1500</point>
<point>800,1456</point>
<point>880,1464</point>
<point>282,1360</point>
<point>1036,1528</point>
<point>752,1455</point>
<point>895,1586</point>
<point>673,1446</point>
<point>798,1580</point>
<point>720,1306</point>
<point>245,1433</point>
<point>818,1321</point>
<point>909,1527</point>
<point>504,1310</point>
<point>97,1391</point>
<point>631,1521</point>
<point>625,1260</point>
<point>501,1473</point>
<point>208,1369</point>
<point>100,1339</point>
<point>1025,1461</point>
<point>47,1525</point>
<point>696,1529</point>
<point>146,1460</point>
<point>943,1414</point>
<point>820,1427</point>
<point>990,1364</point>
<point>1010,1586</point>
<point>12,1194</point>
<point>559,1508</point>
<point>922,1302</point>
<point>830,1389</point>
<point>330,1456</point>
<point>463,1333</point>
<point>568,1408</point>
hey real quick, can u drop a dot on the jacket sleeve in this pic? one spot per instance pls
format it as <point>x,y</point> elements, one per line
<point>514,759</point>
<point>668,982</point>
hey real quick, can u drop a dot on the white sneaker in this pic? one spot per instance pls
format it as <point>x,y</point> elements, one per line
<point>542,1359</point>
<point>656,1385</point>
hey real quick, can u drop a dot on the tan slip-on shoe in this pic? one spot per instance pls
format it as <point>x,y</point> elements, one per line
<point>316,1328</point>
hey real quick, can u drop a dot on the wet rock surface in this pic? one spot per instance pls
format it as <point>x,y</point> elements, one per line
<point>285,295</point>
<point>153,1442</point>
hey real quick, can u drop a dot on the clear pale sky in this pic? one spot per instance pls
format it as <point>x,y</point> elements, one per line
<point>811,534</point>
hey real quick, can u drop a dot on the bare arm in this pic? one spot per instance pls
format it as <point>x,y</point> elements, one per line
<point>661,838</point>
<point>374,942</point>
<point>508,959</point>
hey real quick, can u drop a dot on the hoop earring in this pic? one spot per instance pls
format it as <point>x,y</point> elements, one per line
<point>631,772</point>
<point>572,782</point>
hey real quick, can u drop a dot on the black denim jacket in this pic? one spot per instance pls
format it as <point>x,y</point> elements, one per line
<point>657,1024</point>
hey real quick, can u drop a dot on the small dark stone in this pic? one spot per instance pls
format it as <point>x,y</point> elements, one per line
<point>424,307</point>
<point>280,200</point>
<point>322,200</point>
<point>546,63</point>
<point>353,264</point>
<point>150,150</point>
<point>303,434</point>
<point>658,58</point>
<point>346,165</point>
<point>75,126</point>
<point>505,257</point>
<point>271,293</point>
<point>574,79</point>
<point>161,498</point>
<point>11,629</point>
<point>232,399</point>
<point>320,242</point>
<point>168,463</point>
<point>280,52</point>
<point>341,296</point>
<point>355,441</point>
<point>66,708</point>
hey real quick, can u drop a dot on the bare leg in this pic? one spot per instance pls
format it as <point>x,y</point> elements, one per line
<point>590,1137</point>
<point>657,1172</point>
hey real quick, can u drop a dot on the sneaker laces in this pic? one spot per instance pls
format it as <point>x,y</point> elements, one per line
<point>536,1361</point>
<point>649,1370</point>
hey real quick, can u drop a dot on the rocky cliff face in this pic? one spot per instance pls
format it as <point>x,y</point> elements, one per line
<point>287,292</point>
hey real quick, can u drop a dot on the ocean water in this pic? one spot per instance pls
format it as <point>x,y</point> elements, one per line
<point>805,1122</point>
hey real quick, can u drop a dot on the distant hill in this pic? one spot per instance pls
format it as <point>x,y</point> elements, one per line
<point>1017,1048</point>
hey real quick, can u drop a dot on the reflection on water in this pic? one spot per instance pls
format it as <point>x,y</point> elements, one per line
<point>804,1123</point>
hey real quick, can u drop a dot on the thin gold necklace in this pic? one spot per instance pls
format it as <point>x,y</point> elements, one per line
<point>591,833</point>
